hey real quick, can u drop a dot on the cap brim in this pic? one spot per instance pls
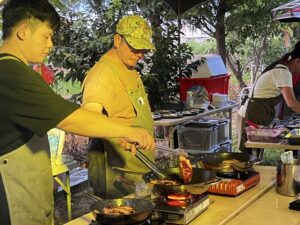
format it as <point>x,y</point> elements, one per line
<point>140,43</point>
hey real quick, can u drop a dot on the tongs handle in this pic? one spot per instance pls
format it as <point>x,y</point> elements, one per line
<point>144,159</point>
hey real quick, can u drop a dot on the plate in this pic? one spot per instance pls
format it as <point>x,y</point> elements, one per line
<point>189,113</point>
<point>156,117</point>
<point>172,115</point>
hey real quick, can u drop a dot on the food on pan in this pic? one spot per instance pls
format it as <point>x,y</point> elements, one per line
<point>179,197</point>
<point>164,182</point>
<point>186,169</point>
<point>230,161</point>
<point>118,210</point>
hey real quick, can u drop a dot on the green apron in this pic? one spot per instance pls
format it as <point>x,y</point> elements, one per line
<point>105,154</point>
<point>28,184</point>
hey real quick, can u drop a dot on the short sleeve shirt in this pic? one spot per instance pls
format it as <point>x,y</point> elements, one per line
<point>269,84</point>
<point>103,86</point>
<point>28,105</point>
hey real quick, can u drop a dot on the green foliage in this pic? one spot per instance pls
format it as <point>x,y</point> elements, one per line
<point>206,47</point>
<point>273,53</point>
<point>81,41</point>
<point>160,72</point>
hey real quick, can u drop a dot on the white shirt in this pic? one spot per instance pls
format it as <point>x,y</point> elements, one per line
<point>269,85</point>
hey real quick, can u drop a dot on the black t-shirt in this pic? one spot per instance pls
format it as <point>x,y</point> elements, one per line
<point>28,105</point>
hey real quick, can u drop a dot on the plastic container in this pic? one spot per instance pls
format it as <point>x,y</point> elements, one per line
<point>288,178</point>
<point>223,134</point>
<point>198,137</point>
<point>213,85</point>
<point>263,135</point>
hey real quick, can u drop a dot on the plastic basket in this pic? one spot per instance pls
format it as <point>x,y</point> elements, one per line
<point>263,135</point>
<point>218,84</point>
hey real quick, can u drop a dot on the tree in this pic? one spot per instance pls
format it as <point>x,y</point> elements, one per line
<point>234,25</point>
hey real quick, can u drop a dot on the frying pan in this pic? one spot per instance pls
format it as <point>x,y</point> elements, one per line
<point>214,161</point>
<point>200,177</point>
<point>143,209</point>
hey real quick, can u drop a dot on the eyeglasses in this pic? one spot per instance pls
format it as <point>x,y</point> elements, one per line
<point>133,50</point>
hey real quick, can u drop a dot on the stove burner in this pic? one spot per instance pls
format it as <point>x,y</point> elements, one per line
<point>238,175</point>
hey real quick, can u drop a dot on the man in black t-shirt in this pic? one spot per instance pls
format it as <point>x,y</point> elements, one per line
<point>29,108</point>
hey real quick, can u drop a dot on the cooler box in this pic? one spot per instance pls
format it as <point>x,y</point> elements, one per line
<point>214,66</point>
<point>217,84</point>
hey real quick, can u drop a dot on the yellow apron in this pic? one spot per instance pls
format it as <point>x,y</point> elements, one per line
<point>28,184</point>
<point>105,154</point>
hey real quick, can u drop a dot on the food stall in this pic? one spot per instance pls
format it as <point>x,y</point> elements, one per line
<point>258,205</point>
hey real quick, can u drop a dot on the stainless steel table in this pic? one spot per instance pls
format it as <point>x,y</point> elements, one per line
<point>168,125</point>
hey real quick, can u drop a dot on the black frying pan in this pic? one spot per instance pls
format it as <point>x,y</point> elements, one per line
<point>142,207</point>
<point>215,161</point>
<point>196,186</point>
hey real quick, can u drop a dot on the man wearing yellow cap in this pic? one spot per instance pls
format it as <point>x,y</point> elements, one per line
<point>114,89</point>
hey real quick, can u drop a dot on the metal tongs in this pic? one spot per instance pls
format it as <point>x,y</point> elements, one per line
<point>172,151</point>
<point>175,151</point>
<point>144,159</point>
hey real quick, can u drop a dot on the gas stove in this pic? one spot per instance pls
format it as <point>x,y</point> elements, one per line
<point>233,184</point>
<point>166,212</point>
<point>182,213</point>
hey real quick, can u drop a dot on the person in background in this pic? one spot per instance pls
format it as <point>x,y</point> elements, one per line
<point>29,108</point>
<point>114,89</point>
<point>283,109</point>
<point>274,83</point>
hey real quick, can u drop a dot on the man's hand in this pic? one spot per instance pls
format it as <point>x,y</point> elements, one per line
<point>127,146</point>
<point>137,138</point>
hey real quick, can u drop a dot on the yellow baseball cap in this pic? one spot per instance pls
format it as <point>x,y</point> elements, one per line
<point>136,31</point>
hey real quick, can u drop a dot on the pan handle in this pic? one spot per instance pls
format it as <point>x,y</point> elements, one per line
<point>94,197</point>
<point>120,169</point>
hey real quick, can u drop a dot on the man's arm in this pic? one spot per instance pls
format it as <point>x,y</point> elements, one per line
<point>86,123</point>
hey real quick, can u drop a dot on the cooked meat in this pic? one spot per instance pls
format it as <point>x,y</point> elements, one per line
<point>185,169</point>
<point>164,182</point>
<point>125,209</point>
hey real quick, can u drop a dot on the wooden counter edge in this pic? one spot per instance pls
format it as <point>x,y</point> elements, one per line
<point>248,203</point>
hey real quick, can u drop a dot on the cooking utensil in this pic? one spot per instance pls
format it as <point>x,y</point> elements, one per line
<point>196,186</point>
<point>142,207</point>
<point>120,169</point>
<point>172,151</point>
<point>144,159</point>
<point>215,161</point>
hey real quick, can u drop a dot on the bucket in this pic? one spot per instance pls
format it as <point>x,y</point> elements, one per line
<point>288,178</point>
